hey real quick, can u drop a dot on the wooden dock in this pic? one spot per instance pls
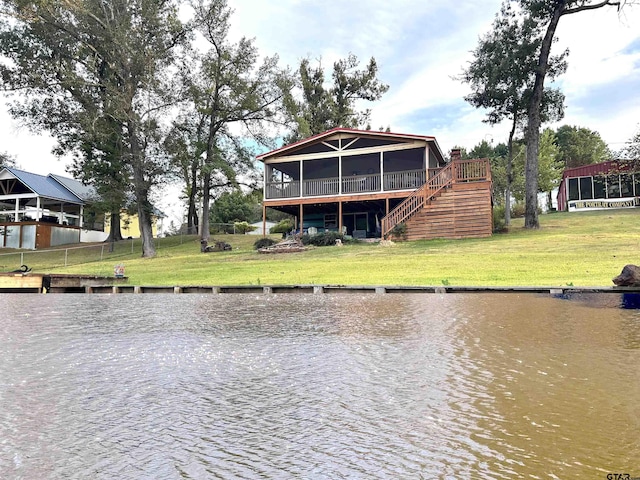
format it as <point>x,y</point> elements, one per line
<point>57,283</point>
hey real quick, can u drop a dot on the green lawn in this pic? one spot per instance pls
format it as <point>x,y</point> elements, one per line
<point>579,249</point>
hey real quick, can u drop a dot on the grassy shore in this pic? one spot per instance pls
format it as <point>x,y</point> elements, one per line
<point>579,249</point>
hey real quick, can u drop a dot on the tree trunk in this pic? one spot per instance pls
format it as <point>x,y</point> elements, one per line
<point>192,213</point>
<point>206,198</point>
<point>533,125</point>
<point>115,234</point>
<point>507,190</point>
<point>141,190</point>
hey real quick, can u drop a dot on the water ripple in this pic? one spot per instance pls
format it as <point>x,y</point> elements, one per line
<point>316,386</point>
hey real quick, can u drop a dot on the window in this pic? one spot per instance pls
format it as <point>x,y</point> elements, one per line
<point>626,185</point>
<point>586,188</point>
<point>599,187</point>
<point>613,186</point>
<point>573,189</point>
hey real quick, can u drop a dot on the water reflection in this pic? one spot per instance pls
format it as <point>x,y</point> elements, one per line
<point>317,386</point>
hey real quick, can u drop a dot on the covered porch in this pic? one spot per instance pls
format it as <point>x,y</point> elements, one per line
<point>386,171</point>
<point>37,211</point>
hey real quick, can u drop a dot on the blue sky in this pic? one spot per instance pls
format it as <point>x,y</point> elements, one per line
<point>419,48</point>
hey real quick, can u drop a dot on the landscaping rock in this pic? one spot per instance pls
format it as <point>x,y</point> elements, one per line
<point>216,247</point>
<point>629,277</point>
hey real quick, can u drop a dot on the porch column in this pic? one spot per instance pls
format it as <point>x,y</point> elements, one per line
<point>301,183</point>
<point>339,174</point>
<point>264,182</point>
<point>340,217</point>
<point>15,219</point>
<point>386,206</point>
<point>264,221</point>
<point>61,213</point>
<point>301,217</point>
<point>381,171</point>
<point>38,214</point>
<point>81,216</point>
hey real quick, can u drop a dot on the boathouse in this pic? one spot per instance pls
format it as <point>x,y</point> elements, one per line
<point>600,186</point>
<point>367,183</point>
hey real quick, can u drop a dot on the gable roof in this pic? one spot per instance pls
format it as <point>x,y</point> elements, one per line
<point>44,186</point>
<point>80,190</point>
<point>369,133</point>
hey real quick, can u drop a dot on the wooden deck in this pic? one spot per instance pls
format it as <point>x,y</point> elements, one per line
<point>454,203</point>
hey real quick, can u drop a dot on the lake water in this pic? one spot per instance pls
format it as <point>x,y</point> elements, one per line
<point>318,386</point>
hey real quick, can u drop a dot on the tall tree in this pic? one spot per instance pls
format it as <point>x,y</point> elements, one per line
<point>547,13</point>
<point>501,77</point>
<point>185,146</point>
<point>84,64</point>
<point>580,146</point>
<point>6,160</point>
<point>238,96</point>
<point>321,107</point>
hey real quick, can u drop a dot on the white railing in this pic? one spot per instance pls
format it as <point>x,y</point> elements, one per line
<point>404,180</point>
<point>361,184</point>
<point>321,186</point>
<point>283,189</point>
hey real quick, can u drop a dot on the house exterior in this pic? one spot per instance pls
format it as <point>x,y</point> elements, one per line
<point>600,186</point>
<point>365,183</point>
<point>38,211</point>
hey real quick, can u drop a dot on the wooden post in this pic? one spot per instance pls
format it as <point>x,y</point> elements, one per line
<point>340,217</point>
<point>264,220</point>
<point>386,207</point>
<point>301,217</point>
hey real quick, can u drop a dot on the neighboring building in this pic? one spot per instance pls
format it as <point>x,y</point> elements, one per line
<point>38,211</point>
<point>364,183</point>
<point>612,184</point>
<point>130,227</point>
<point>260,226</point>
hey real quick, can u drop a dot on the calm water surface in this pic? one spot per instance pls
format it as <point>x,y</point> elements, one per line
<point>317,386</point>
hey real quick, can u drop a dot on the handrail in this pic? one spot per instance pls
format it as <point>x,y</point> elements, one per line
<point>417,199</point>
<point>458,171</point>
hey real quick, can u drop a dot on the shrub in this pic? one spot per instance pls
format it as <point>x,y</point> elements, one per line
<point>517,210</point>
<point>323,239</point>
<point>243,227</point>
<point>283,226</point>
<point>263,243</point>
<point>499,224</point>
<point>399,231</point>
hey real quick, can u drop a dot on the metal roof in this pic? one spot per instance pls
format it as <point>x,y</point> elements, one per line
<point>44,186</point>
<point>80,190</point>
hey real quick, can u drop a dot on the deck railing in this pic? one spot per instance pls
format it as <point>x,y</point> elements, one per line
<point>361,183</point>
<point>289,189</point>
<point>403,180</point>
<point>459,171</point>
<point>321,186</point>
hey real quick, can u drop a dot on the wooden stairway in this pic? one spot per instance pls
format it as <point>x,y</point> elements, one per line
<point>458,171</point>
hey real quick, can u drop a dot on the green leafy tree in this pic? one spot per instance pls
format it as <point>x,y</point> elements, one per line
<point>238,97</point>
<point>501,77</point>
<point>580,146</point>
<point>321,107</point>
<point>89,70</point>
<point>547,13</point>
<point>234,207</point>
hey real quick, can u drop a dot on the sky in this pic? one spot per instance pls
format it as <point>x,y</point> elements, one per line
<point>420,48</point>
